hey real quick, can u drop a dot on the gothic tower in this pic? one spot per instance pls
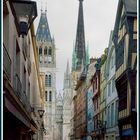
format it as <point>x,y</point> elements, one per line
<point>59,117</point>
<point>47,64</point>
<point>79,52</point>
<point>80,59</point>
<point>66,104</point>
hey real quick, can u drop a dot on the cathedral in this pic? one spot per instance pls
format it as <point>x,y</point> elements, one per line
<point>47,65</point>
<point>59,111</point>
<point>67,97</point>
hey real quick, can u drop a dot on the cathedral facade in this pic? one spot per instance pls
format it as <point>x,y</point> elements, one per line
<point>47,65</point>
<point>67,97</point>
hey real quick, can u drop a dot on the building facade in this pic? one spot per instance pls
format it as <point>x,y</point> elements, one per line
<point>80,119</point>
<point>102,101</point>
<point>47,64</point>
<point>125,41</point>
<point>22,97</point>
<point>89,94</point>
<point>95,98</point>
<point>112,131</point>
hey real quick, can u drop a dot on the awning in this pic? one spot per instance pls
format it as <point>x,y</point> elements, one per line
<point>128,132</point>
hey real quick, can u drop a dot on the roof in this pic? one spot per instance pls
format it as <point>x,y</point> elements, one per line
<point>43,31</point>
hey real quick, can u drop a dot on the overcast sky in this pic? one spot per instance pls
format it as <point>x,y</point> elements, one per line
<point>99,18</point>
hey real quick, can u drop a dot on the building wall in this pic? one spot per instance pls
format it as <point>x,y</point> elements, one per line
<point>89,95</point>
<point>111,94</point>
<point>80,110</point>
<point>20,51</point>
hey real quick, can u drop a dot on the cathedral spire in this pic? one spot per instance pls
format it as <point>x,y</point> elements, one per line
<point>67,69</point>
<point>43,31</point>
<point>87,55</point>
<point>80,38</point>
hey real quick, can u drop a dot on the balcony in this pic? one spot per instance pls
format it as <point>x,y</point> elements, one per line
<point>6,62</point>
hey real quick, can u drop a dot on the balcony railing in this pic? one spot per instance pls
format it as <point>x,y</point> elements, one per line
<point>6,62</point>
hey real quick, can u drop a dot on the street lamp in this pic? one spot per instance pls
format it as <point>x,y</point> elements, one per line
<point>41,112</point>
<point>24,12</point>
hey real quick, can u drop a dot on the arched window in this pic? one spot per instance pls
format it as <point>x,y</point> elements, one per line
<point>45,51</point>
<point>50,80</point>
<point>46,95</point>
<point>40,51</point>
<point>46,80</point>
<point>50,96</point>
<point>50,51</point>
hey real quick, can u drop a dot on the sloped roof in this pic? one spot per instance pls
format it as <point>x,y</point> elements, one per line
<point>43,31</point>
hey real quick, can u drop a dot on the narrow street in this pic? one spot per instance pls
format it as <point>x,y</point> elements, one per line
<point>87,91</point>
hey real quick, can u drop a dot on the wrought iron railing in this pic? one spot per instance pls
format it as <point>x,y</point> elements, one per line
<point>6,62</point>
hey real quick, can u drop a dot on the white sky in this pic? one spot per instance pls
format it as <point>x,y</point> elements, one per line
<point>99,18</point>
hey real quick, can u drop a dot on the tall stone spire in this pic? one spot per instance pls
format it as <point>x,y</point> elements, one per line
<point>87,55</point>
<point>80,39</point>
<point>43,31</point>
<point>73,59</point>
<point>67,76</point>
<point>67,69</point>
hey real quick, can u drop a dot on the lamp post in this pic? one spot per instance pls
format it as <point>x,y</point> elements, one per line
<point>24,12</point>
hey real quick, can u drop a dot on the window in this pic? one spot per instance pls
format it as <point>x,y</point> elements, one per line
<point>45,51</point>
<point>112,114</point>
<point>108,118</point>
<point>113,85</point>
<point>40,59</point>
<point>24,79</point>
<point>17,59</point>
<point>49,80</point>
<point>46,80</point>
<point>116,113</point>
<point>40,51</point>
<point>50,96</point>
<point>50,51</point>
<point>46,95</point>
<point>109,89</point>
